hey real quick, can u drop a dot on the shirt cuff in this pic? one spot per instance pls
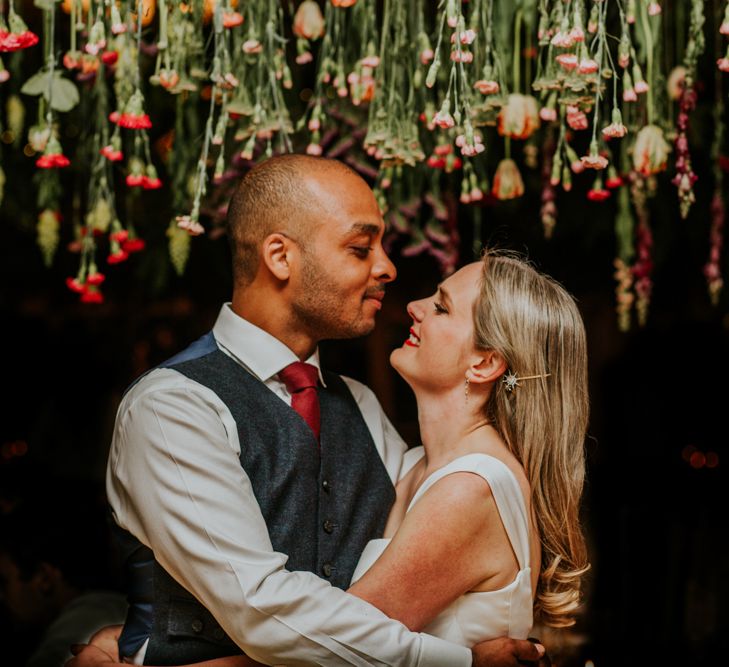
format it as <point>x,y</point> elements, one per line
<point>436,652</point>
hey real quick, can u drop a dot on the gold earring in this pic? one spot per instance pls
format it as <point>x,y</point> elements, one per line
<point>467,385</point>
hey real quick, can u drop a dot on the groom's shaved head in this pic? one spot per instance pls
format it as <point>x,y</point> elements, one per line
<point>275,197</point>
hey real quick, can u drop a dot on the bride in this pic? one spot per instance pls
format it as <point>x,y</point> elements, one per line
<point>484,537</point>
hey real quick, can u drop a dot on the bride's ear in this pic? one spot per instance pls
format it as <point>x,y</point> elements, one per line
<point>489,366</point>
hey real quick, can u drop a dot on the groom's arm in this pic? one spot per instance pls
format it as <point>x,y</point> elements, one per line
<point>175,482</point>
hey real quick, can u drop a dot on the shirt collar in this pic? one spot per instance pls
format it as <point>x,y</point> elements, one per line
<point>260,352</point>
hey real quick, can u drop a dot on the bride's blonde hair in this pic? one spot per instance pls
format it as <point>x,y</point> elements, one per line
<point>534,324</point>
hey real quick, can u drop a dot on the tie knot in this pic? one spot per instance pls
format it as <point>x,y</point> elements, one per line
<point>298,376</point>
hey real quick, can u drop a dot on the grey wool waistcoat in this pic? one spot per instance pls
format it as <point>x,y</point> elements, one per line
<point>322,503</point>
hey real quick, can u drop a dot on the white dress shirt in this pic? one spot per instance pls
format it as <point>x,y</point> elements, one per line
<point>174,481</point>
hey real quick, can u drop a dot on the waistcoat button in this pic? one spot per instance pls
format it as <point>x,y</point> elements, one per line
<point>218,633</point>
<point>327,569</point>
<point>197,625</point>
<point>328,526</point>
<point>326,486</point>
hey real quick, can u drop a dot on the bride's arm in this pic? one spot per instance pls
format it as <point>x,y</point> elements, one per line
<point>437,553</point>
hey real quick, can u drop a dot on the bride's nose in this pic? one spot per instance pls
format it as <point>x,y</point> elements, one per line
<point>416,310</point>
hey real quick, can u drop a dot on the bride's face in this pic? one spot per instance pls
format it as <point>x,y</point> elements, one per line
<point>440,347</point>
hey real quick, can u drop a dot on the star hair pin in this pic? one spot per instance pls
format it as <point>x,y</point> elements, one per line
<point>511,380</point>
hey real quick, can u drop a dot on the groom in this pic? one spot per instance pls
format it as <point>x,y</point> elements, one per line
<point>242,521</point>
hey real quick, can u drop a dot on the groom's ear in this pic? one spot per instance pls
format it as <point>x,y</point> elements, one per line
<point>487,366</point>
<point>277,253</point>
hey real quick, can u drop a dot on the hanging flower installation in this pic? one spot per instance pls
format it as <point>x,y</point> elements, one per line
<point>447,108</point>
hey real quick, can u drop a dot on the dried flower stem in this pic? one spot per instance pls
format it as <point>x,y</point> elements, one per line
<point>649,58</point>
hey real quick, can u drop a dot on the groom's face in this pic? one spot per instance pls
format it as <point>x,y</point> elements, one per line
<point>344,267</point>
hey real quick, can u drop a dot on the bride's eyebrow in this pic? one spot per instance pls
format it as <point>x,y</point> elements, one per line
<point>444,295</point>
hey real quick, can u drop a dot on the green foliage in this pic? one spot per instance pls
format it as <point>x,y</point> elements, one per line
<point>62,94</point>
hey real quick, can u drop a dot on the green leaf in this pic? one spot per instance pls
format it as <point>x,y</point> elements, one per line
<point>64,95</point>
<point>37,84</point>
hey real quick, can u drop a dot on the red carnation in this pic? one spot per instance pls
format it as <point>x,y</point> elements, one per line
<point>52,160</point>
<point>52,156</point>
<point>95,278</point>
<point>111,154</point>
<point>75,285</point>
<point>135,180</point>
<point>151,183</point>
<point>133,245</point>
<point>613,180</point>
<point>598,194</point>
<point>133,116</point>
<point>110,57</point>
<point>134,121</point>
<point>117,257</point>
<point>10,41</point>
<point>18,37</point>
<point>92,296</point>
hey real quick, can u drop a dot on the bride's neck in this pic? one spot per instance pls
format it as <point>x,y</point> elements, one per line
<point>446,423</point>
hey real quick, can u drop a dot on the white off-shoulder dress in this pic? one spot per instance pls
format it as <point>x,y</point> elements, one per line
<point>480,615</point>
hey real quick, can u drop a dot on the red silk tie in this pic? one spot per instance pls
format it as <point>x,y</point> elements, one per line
<point>301,380</point>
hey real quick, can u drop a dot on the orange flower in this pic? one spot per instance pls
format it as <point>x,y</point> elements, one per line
<point>593,160</point>
<point>675,82</point>
<point>168,78</point>
<point>616,129</point>
<point>308,21</point>
<point>650,152</point>
<point>486,87</point>
<point>519,117</point>
<point>208,9</point>
<point>232,19</point>
<point>507,181</point>
<point>66,5</point>
<point>149,9</point>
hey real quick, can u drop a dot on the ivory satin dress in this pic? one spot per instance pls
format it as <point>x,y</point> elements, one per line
<point>479,615</point>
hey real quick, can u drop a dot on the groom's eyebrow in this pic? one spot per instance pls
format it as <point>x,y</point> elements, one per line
<point>363,228</point>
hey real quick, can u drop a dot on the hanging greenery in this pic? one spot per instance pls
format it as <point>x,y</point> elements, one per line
<point>424,100</point>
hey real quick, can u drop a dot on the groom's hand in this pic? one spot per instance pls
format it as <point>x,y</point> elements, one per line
<point>86,655</point>
<point>102,648</point>
<point>107,639</point>
<point>507,652</point>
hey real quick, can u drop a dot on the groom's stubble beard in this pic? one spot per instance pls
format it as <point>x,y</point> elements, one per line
<point>325,308</point>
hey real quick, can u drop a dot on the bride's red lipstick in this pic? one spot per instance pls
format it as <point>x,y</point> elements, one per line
<point>410,342</point>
